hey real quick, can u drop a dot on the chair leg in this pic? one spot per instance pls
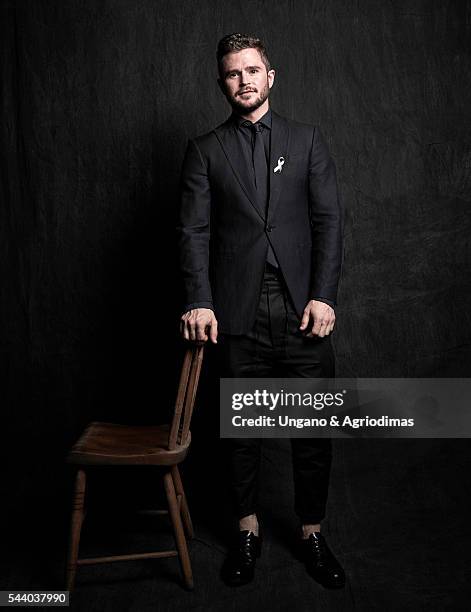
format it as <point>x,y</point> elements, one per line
<point>75,528</point>
<point>180,539</point>
<point>186,518</point>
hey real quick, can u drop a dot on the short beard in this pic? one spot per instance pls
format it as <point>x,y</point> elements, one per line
<point>245,110</point>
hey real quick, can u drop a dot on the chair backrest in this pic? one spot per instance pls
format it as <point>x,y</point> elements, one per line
<point>186,395</point>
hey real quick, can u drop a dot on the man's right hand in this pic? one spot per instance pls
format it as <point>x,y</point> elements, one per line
<point>195,323</point>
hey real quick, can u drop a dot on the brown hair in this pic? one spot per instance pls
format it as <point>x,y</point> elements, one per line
<point>237,42</point>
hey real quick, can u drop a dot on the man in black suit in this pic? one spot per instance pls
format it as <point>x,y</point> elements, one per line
<point>260,238</point>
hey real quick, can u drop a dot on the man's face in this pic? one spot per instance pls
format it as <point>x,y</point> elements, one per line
<point>244,80</point>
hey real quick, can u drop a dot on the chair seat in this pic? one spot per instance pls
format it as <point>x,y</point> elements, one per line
<point>115,444</point>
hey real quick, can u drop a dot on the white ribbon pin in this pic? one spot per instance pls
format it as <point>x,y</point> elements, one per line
<point>281,161</point>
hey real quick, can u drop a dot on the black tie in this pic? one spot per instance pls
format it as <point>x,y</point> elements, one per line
<point>259,161</point>
<point>260,167</point>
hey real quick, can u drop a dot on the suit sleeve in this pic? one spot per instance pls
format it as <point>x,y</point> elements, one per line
<point>326,221</point>
<point>193,229</point>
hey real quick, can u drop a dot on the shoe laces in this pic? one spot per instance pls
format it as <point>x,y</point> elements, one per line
<point>245,546</point>
<point>318,545</point>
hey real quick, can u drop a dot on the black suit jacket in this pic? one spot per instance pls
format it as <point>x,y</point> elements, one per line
<point>223,234</point>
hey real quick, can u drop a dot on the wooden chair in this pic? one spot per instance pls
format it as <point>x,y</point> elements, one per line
<point>161,445</point>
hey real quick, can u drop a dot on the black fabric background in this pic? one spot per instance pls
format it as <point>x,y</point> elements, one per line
<point>98,101</point>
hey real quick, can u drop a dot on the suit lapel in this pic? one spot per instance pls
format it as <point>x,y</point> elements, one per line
<point>279,147</point>
<point>234,153</point>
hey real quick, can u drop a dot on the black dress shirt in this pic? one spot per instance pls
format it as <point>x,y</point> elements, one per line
<point>245,135</point>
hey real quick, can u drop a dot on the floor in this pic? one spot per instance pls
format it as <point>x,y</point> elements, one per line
<point>397,521</point>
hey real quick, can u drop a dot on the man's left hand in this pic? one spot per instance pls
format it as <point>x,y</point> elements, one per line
<point>318,319</point>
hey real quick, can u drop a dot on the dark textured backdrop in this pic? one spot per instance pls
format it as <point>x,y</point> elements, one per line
<point>98,101</point>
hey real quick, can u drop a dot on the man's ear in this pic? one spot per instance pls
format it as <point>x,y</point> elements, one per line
<point>271,77</point>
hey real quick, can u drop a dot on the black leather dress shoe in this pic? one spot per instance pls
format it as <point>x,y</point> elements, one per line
<point>239,566</point>
<point>321,563</point>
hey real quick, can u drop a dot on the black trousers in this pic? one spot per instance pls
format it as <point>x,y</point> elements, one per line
<point>276,348</point>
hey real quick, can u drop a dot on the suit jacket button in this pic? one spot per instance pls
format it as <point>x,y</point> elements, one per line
<point>270,228</point>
